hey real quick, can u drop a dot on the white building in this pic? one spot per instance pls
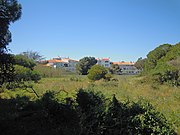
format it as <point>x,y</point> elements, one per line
<point>104,62</point>
<point>65,63</point>
<point>127,68</point>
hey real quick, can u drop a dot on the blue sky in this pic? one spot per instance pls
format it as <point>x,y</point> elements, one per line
<point>119,29</point>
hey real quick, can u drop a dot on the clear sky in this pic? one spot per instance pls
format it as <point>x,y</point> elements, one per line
<point>119,29</point>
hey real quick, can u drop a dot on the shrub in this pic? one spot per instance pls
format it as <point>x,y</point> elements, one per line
<point>91,108</point>
<point>97,72</point>
<point>24,61</point>
<point>89,114</point>
<point>25,74</point>
<point>97,117</point>
<point>108,77</point>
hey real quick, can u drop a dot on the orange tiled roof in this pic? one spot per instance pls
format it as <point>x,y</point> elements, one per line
<point>124,63</point>
<point>59,61</point>
<point>54,61</point>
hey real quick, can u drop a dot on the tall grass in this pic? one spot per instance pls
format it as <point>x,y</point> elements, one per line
<point>164,98</point>
<point>47,72</point>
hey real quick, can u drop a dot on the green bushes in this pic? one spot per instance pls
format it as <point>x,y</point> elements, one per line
<point>98,72</point>
<point>24,61</point>
<point>23,77</point>
<point>98,116</point>
<point>6,68</point>
<point>89,114</point>
<point>163,64</point>
<point>25,74</point>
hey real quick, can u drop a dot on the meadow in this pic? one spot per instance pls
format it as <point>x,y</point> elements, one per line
<point>126,88</point>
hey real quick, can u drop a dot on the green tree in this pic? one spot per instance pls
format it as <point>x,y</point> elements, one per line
<point>115,69</point>
<point>24,61</point>
<point>6,68</point>
<point>168,67</point>
<point>154,55</point>
<point>10,11</point>
<point>23,74</point>
<point>140,63</point>
<point>97,72</point>
<point>33,55</point>
<point>85,64</point>
<point>163,64</point>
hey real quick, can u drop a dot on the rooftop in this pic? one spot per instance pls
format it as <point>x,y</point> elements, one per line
<point>124,63</point>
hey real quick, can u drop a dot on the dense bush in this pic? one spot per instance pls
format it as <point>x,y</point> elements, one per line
<point>10,11</point>
<point>85,64</point>
<point>90,114</point>
<point>115,69</point>
<point>23,74</point>
<point>163,64</point>
<point>97,72</point>
<point>24,61</point>
<point>6,68</point>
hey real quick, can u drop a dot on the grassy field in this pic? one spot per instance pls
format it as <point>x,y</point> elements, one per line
<point>164,98</point>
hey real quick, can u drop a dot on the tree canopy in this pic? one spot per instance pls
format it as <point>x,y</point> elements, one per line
<point>24,61</point>
<point>97,72</point>
<point>33,55</point>
<point>85,64</point>
<point>10,11</point>
<point>115,69</point>
<point>140,63</point>
<point>163,64</point>
<point>156,54</point>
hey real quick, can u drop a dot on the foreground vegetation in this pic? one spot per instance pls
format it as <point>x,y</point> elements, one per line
<point>90,113</point>
<point>164,98</point>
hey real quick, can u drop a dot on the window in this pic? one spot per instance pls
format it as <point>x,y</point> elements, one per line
<point>65,65</point>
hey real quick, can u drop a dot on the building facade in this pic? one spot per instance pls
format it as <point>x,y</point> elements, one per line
<point>127,68</point>
<point>105,62</point>
<point>65,63</point>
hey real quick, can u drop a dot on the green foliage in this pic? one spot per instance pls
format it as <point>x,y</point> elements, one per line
<point>97,117</point>
<point>140,63</point>
<point>166,65</point>
<point>91,107</point>
<point>50,72</point>
<point>115,69</point>
<point>108,77</point>
<point>85,64</point>
<point>33,55</point>
<point>23,74</point>
<point>154,55</point>
<point>24,61</point>
<point>46,116</point>
<point>97,72</point>
<point>10,11</point>
<point>90,114</point>
<point>6,68</point>
<point>149,121</point>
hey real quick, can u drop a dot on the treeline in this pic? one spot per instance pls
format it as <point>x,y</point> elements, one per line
<point>162,64</point>
<point>89,113</point>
